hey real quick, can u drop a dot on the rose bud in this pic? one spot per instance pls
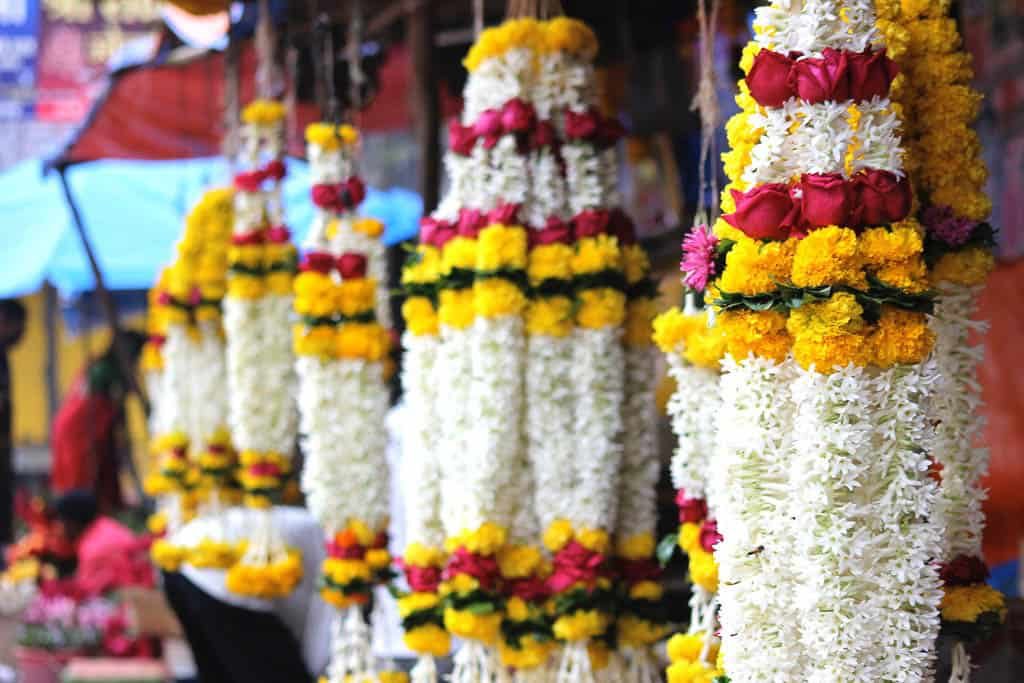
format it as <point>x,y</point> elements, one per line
<point>871,74</point>
<point>517,116</point>
<point>822,79</point>
<point>825,199</point>
<point>765,212</point>
<point>882,197</point>
<point>318,261</point>
<point>460,138</point>
<point>581,126</point>
<point>768,79</point>
<point>352,265</point>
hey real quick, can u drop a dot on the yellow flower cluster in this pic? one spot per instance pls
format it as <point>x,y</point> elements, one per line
<point>558,35</point>
<point>703,568</point>
<point>423,271</point>
<point>269,581</point>
<point>636,547</point>
<point>330,137</point>
<point>550,315</point>
<point>519,561</point>
<point>167,556</point>
<point>484,628</point>
<point>968,267</point>
<point>761,333</point>
<point>430,639</point>
<point>968,603</point>
<point>259,483</point>
<point>487,539</point>
<point>419,555</point>
<point>263,112</point>
<point>210,554</point>
<point>684,651</point>
<point>532,653</point>
<point>581,625</point>
<point>742,138</point>
<point>456,306</point>
<point>560,532</point>
<point>367,341</point>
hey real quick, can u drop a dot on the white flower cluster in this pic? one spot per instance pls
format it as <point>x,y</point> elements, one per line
<point>243,325</point>
<point>816,138</point>
<point>154,382</point>
<point>208,402</point>
<point>421,458</point>
<point>869,596</point>
<point>955,409</point>
<point>454,368</point>
<point>641,467</point>
<point>810,26</point>
<point>749,483</point>
<point>176,388</point>
<point>693,408</point>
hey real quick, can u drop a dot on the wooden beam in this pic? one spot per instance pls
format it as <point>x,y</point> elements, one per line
<point>425,103</point>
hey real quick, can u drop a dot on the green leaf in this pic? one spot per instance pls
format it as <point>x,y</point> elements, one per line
<point>480,608</point>
<point>666,549</point>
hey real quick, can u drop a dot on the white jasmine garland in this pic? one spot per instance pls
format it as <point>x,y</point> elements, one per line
<point>599,389</point>
<point>208,400</point>
<point>153,380</point>
<point>243,326</point>
<point>584,176</point>
<point>693,409</point>
<point>550,424</point>
<point>956,410</point>
<point>749,484</point>
<point>177,379</point>
<point>459,169</point>
<point>277,375</point>
<point>421,458</point>
<point>811,26</point>
<point>454,368</point>
<point>641,467</point>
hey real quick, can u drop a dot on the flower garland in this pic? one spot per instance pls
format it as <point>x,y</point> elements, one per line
<point>939,108</point>
<point>820,288</point>
<point>257,308</point>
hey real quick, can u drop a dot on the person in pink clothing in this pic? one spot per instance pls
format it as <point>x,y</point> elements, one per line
<point>108,554</point>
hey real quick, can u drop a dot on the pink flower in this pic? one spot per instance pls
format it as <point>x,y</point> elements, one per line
<point>698,264</point>
<point>941,222</point>
<point>709,536</point>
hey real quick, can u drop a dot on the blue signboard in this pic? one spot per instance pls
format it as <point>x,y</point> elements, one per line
<point>19,45</point>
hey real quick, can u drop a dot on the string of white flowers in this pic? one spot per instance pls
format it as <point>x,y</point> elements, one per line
<point>154,381</point>
<point>693,408</point>
<point>955,409</point>
<point>454,368</point>
<point>816,138</point>
<point>810,26</point>
<point>421,459</point>
<point>749,485</point>
<point>641,467</point>
<point>177,379</point>
<point>208,399</point>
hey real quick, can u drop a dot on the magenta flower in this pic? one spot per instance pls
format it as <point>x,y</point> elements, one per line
<point>698,264</point>
<point>941,222</point>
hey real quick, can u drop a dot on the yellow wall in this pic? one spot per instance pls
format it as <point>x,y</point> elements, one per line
<point>28,373</point>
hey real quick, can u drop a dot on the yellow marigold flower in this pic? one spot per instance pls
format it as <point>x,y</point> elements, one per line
<point>152,360</point>
<point>427,267</point>
<point>263,112</point>
<point>887,9</point>
<point>968,603</point>
<point>518,561</point>
<point>840,313</point>
<point>314,294</point>
<point>166,555</point>
<point>636,632</point>
<point>673,329</point>
<point>762,333</point>
<point>933,36</point>
<point>392,677</point>
<point>357,295</point>
<point>636,547</point>
<point>967,267</point>
<point>246,287</point>
<point>482,627</point>
<point>378,558</point>
<point>516,609</point>
<point>954,67</point>
<point>901,337</point>
<point>460,253</point>
<point>361,340</point>
<point>639,318</point>
<point>830,351</point>
<point>599,308</point>
<point>635,263</point>
<point>646,590</point>
<point>753,267</point>
<point>430,639</point>
<point>549,261</point>
<point>570,35</point>
<point>550,316</point>
<point>692,672</point>
<point>706,347</point>
<point>750,51</point>
<point>419,555</point>
<point>417,602</point>
<point>557,535</point>
<point>689,537</point>
<point>329,137</point>
<point>910,276</point>
<point>371,227</point>
<point>880,246</point>
<point>530,654</point>
<point>828,256</point>
<point>493,297</point>
<point>456,308</point>
<point>485,540</point>
<point>580,625</point>
<point>704,570</point>
<point>965,201</point>
<point>595,254</point>
<point>420,316</point>
<point>596,540</point>
<point>345,571</point>
<point>686,647</point>
<point>897,38</point>
<point>278,283</point>
<point>501,247</point>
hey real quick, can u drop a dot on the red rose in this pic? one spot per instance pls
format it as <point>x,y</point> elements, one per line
<point>353,192</point>
<point>709,536</point>
<point>764,212</point>
<point>517,116</point>
<point>963,570</point>
<point>543,135</point>
<point>241,239</point>
<point>590,222</point>
<point>881,197</point>
<point>574,564</point>
<point>529,589</point>
<point>555,230</point>
<point>635,571</point>
<point>483,569</point>
<point>768,78</point>
<point>691,510</point>
<point>326,196</point>
<point>581,126</point>
<point>435,232</point>
<point>422,579</point>
<point>825,199</point>
<point>460,138</point>
<point>470,222</point>
<point>275,170</point>
<point>278,234</point>
<point>504,214</point>
<point>249,181</point>
<point>822,79</point>
<point>352,265</point>
<point>345,552</point>
<point>488,127</point>
<point>871,74</point>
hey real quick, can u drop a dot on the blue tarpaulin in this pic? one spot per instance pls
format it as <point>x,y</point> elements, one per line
<point>134,212</point>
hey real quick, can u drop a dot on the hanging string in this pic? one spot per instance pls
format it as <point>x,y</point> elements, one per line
<point>706,102</point>
<point>265,52</point>
<point>478,17</point>
<point>356,77</point>
<point>332,108</point>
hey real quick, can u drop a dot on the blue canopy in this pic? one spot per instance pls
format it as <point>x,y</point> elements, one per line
<point>134,212</point>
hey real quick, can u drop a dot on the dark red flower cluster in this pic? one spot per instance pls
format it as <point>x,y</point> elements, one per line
<point>516,117</point>
<point>421,579</point>
<point>836,76</point>
<point>775,211</point>
<point>252,181</point>
<point>575,564</point>
<point>963,570</point>
<point>339,197</point>
<point>483,568</point>
<point>635,571</point>
<point>691,510</point>
<point>591,126</point>
<point>349,265</point>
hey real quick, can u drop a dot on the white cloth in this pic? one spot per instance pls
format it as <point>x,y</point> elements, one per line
<point>303,612</point>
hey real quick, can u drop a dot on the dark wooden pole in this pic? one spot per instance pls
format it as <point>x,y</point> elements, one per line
<point>426,105</point>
